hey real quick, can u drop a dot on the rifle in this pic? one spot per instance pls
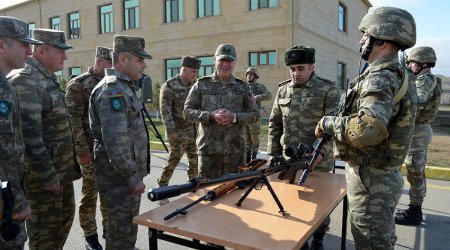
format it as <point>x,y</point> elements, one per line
<point>219,190</point>
<point>277,165</point>
<point>324,139</point>
<point>155,131</point>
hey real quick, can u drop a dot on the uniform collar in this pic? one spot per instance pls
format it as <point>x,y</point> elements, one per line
<point>35,63</point>
<point>92,73</point>
<point>231,80</point>
<point>308,84</point>
<point>183,82</point>
<point>118,74</point>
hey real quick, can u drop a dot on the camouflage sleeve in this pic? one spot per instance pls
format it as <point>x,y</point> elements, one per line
<point>250,112</point>
<point>11,154</point>
<point>423,85</point>
<point>76,107</point>
<point>264,95</point>
<point>165,103</point>
<point>376,100</point>
<point>32,97</point>
<point>275,130</point>
<point>192,107</point>
<point>114,124</point>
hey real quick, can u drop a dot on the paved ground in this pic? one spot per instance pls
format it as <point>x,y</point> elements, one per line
<point>432,234</point>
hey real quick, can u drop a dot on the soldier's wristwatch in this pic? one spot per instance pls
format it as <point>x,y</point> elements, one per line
<point>235,118</point>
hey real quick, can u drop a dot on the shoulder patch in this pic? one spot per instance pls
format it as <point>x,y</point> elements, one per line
<point>115,94</point>
<point>284,82</point>
<point>5,107</point>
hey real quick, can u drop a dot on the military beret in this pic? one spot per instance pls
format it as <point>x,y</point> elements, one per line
<point>190,62</point>
<point>130,44</point>
<point>226,51</point>
<point>15,28</point>
<point>103,52</point>
<point>300,55</point>
<point>51,37</point>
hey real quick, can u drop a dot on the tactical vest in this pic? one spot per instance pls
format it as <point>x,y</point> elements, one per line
<point>427,112</point>
<point>392,151</point>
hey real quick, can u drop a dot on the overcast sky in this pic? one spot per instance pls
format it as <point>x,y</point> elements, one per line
<point>431,19</point>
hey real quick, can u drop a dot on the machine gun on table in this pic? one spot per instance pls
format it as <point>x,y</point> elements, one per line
<point>302,160</point>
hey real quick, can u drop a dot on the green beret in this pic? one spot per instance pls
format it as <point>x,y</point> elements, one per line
<point>300,55</point>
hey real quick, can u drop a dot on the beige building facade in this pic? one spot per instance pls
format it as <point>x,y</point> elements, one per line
<point>261,30</point>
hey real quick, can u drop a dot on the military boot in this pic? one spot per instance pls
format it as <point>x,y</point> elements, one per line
<point>316,243</point>
<point>92,243</point>
<point>248,155</point>
<point>410,216</point>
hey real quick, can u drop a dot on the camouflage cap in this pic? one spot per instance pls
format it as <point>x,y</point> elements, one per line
<point>15,28</point>
<point>300,55</point>
<point>226,51</point>
<point>422,54</point>
<point>130,44</point>
<point>103,52</point>
<point>390,24</point>
<point>51,37</point>
<point>190,62</point>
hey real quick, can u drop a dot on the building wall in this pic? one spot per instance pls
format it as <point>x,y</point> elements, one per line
<point>314,23</point>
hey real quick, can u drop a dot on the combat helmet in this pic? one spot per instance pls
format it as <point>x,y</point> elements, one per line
<point>252,70</point>
<point>390,24</point>
<point>422,55</point>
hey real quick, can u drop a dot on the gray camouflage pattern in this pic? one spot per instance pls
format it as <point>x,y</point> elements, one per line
<point>77,95</point>
<point>374,182</point>
<point>51,37</point>
<point>121,153</point>
<point>296,111</point>
<point>416,159</point>
<point>390,24</point>
<point>422,54</point>
<point>252,131</point>
<point>209,94</point>
<point>15,28</point>
<point>12,150</point>
<point>181,133</point>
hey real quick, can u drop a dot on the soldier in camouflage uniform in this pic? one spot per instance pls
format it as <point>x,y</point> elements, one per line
<point>14,51</point>
<point>77,94</point>
<point>221,105</point>
<point>50,165</point>
<point>299,104</point>
<point>181,133</point>
<point>429,90</point>
<point>374,127</point>
<point>121,142</point>
<point>252,131</point>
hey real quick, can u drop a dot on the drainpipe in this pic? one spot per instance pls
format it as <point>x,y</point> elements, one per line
<point>291,22</point>
<point>40,12</point>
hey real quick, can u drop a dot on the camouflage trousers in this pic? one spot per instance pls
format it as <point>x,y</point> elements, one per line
<point>19,242</point>
<point>51,217</point>
<point>215,166</point>
<point>251,134</point>
<point>373,194</point>
<point>121,206</point>
<point>88,204</point>
<point>415,163</point>
<point>177,148</point>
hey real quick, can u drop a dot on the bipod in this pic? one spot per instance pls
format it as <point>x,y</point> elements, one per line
<point>264,180</point>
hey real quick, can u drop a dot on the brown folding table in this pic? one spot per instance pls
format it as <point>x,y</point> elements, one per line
<point>257,224</point>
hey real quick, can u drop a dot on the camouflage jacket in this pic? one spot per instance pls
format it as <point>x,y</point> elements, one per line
<point>429,91</point>
<point>121,147</point>
<point>171,101</point>
<point>77,95</point>
<point>375,91</point>
<point>260,93</point>
<point>209,94</point>
<point>47,133</point>
<point>12,148</point>
<point>296,111</point>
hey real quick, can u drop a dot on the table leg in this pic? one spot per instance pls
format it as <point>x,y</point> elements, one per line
<point>344,223</point>
<point>152,238</point>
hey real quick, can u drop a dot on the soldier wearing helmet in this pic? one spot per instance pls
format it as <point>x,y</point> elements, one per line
<point>429,90</point>
<point>373,129</point>
<point>252,131</point>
